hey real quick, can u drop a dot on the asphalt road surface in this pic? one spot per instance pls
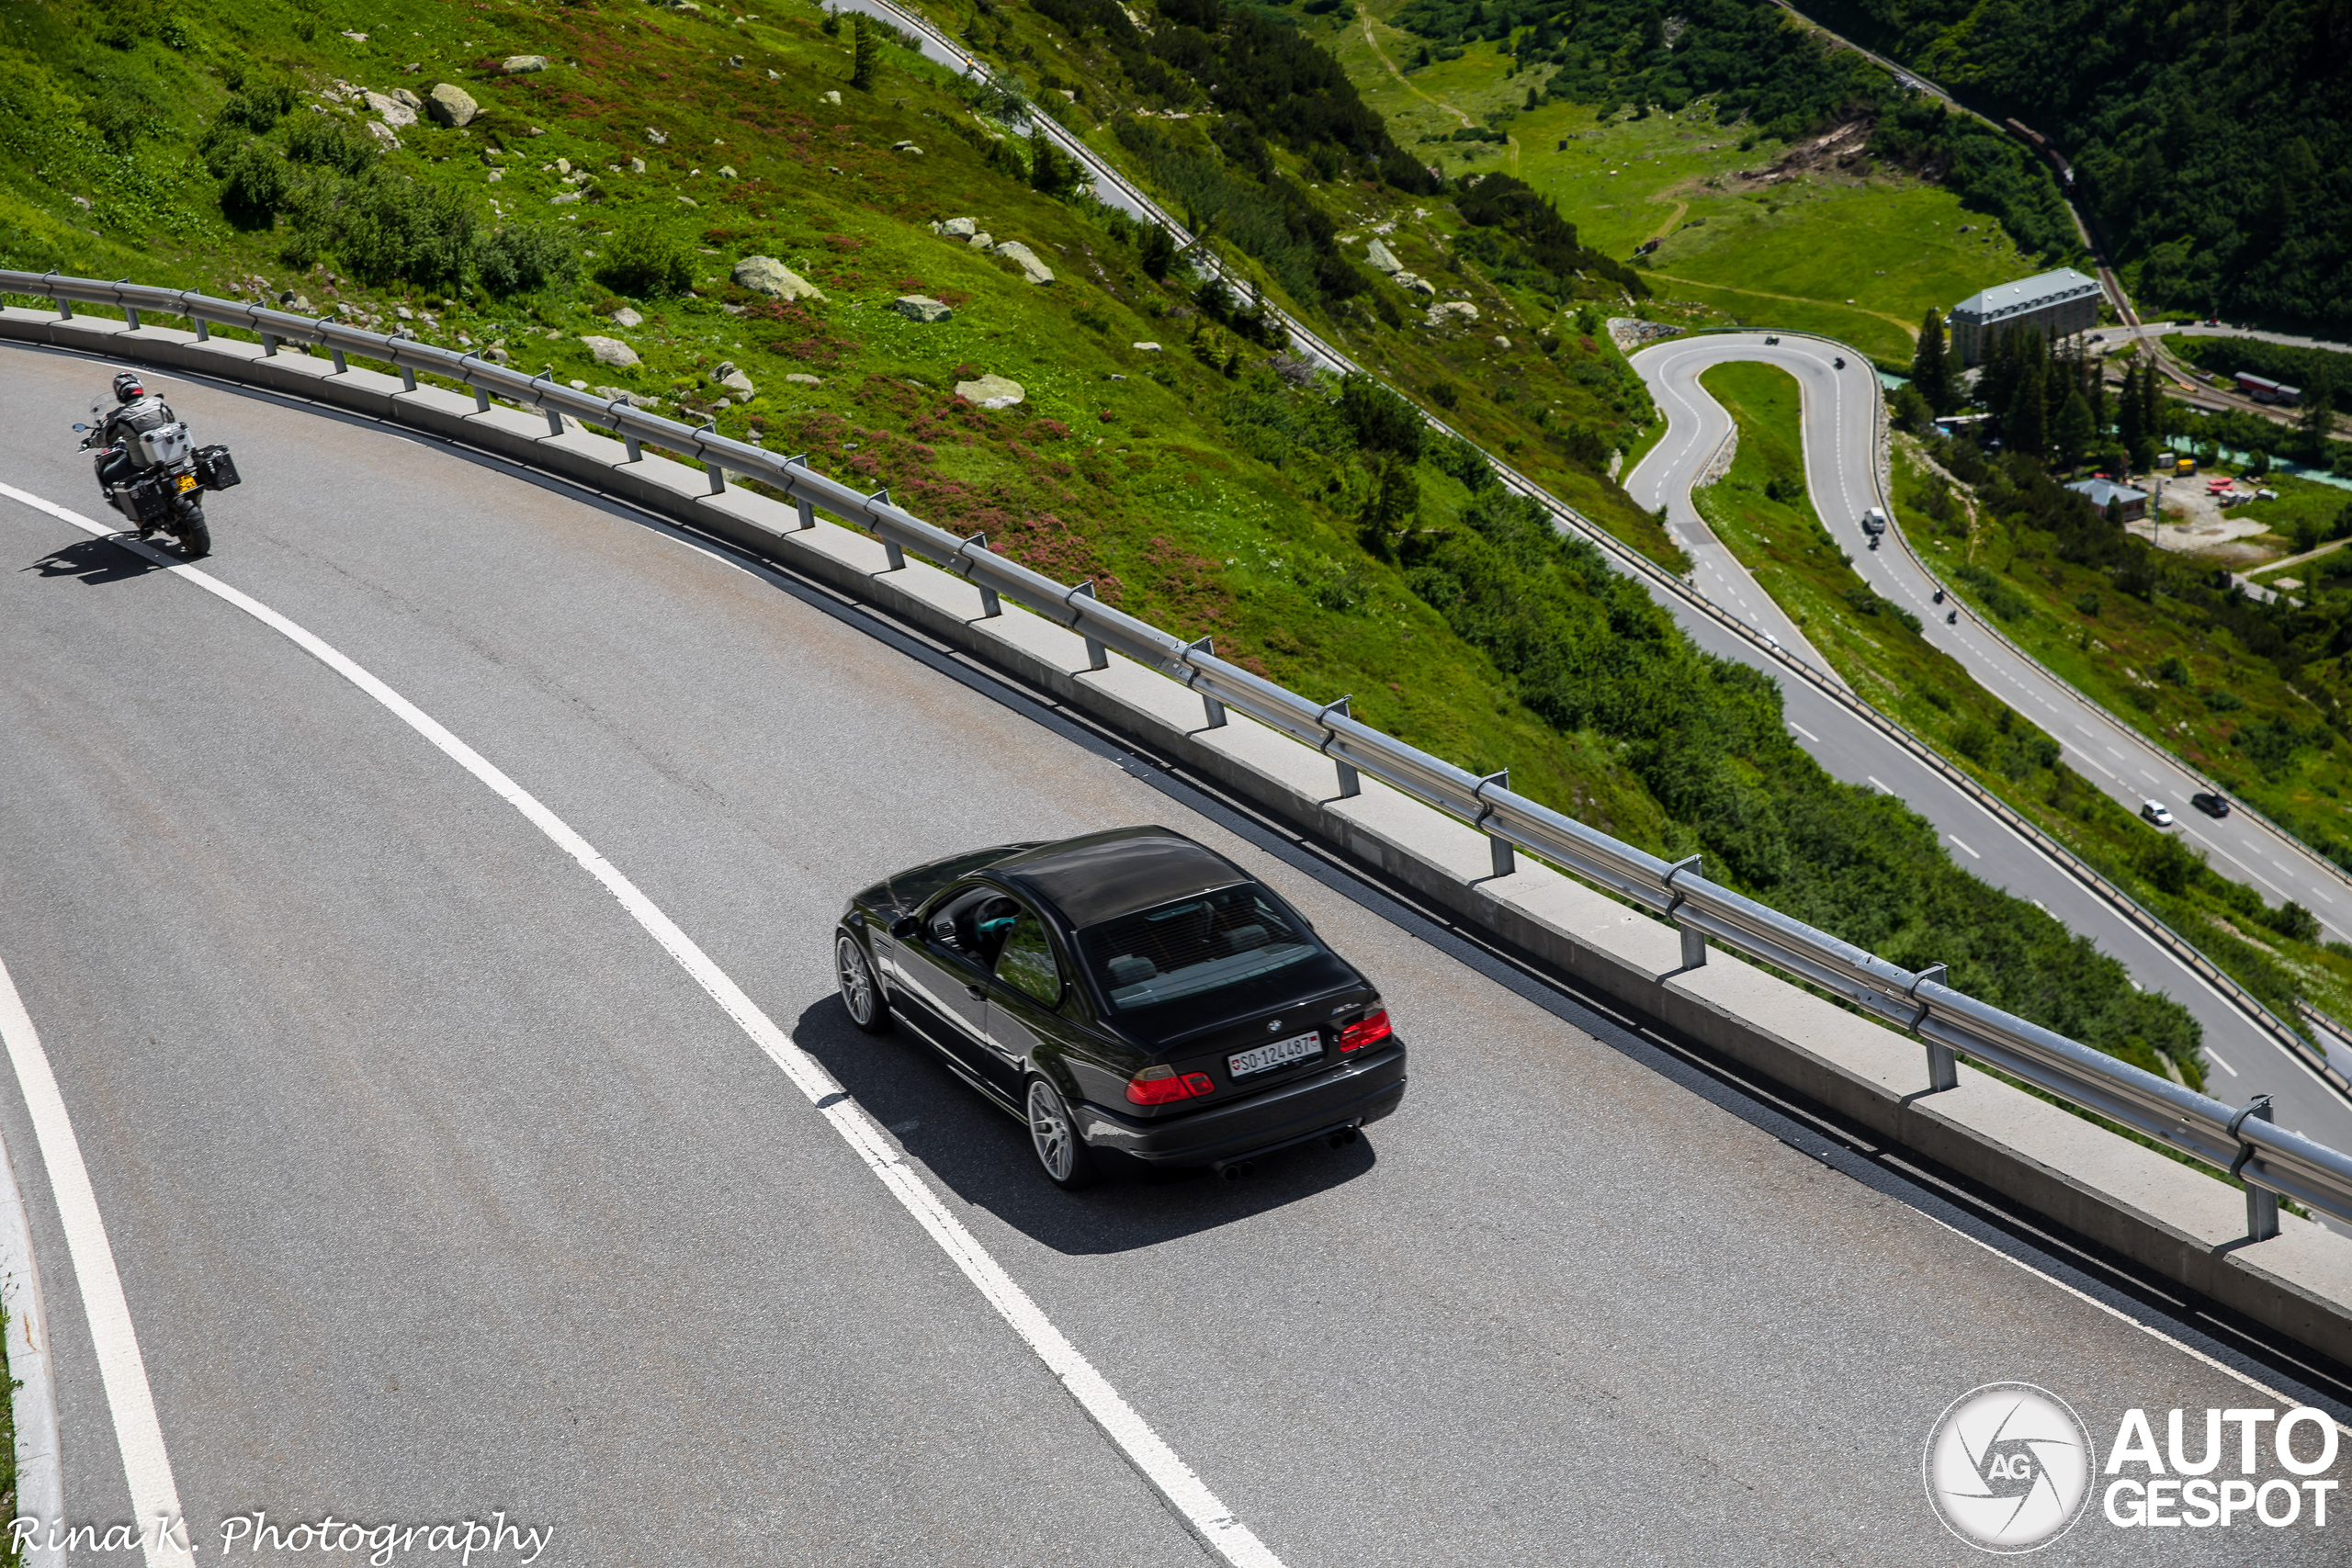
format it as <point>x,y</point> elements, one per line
<point>436,1186</point>
<point>1839,438</point>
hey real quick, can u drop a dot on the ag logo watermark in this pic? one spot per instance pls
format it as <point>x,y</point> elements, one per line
<point>2008,1467</point>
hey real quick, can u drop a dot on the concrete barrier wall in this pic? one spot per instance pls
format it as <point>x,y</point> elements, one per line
<point>2177,1220</point>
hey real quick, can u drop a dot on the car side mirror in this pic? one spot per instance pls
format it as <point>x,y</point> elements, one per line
<point>906,928</point>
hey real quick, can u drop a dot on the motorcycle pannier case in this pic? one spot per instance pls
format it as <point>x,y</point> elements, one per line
<point>151,498</point>
<point>215,469</point>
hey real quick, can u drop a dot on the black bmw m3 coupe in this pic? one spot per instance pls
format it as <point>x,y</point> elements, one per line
<point>1137,999</point>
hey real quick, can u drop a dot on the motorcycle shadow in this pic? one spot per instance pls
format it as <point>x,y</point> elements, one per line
<point>94,561</point>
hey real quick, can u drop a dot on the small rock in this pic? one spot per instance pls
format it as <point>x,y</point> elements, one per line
<point>739,383</point>
<point>1413,284</point>
<point>407,99</point>
<point>982,240</point>
<point>410,69</point>
<point>658,138</point>
<point>396,113</point>
<point>921,308</point>
<point>958,229</point>
<point>464,341</point>
<point>724,404</point>
<point>451,105</point>
<point>623,395</point>
<point>403,313</point>
<point>773,77</point>
<point>624,317</point>
<point>563,165</point>
<point>736,61</point>
<point>906,147</point>
<point>1452,312</point>
<point>495,354</point>
<point>1146,347</point>
<point>357,37</point>
<point>559,200</point>
<point>833,98</point>
<point>299,305</point>
<point>521,65</point>
<point>534,131</point>
<point>81,201</point>
<point>384,133</point>
<point>1381,259</point>
<point>496,176</point>
<point>765,274</point>
<point>1501,341</point>
<point>990,391</point>
<point>579,386</point>
<point>611,351</point>
<point>1027,259</point>
<point>726,172</point>
<point>637,165</point>
<point>802,378</point>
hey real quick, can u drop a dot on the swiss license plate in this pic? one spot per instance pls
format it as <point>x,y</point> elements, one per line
<point>186,481</point>
<point>1281,1053</point>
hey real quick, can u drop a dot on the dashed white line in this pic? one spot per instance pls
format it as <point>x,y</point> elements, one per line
<point>1808,734</point>
<point>2215,1057</point>
<point>1955,838</point>
<point>1881,788</point>
<point>152,1488</point>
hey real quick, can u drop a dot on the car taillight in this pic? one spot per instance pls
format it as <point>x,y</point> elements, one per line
<point>1364,1031</point>
<point>1161,1085</point>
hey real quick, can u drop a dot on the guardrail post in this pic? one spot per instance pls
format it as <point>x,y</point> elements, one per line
<point>131,316</point>
<point>408,379</point>
<point>336,354</point>
<point>270,346</point>
<point>990,605</point>
<point>1210,707</point>
<point>481,401</point>
<point>1943,1067</point>
<point>1349,784</point>
<point>65,309</point>
<point>1504,857</point>
<point>892,551</point>
<point>1694,942</point>
<point>806,508</point>
<point>203,329</point>
<point>1097,655</point>
<point>2261,1207</point>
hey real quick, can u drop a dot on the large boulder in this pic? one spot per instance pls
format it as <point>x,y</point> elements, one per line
<point>765,274</point>
<point>990,393</point>
<point>624,317</point>
<point>921,308</point>
<point>1027,259</point>
<point>1413,284</point>
<point>402,95</point>
<point>522,64</point>
<point>612,351</point>
<point>396,113</point>
<point>959,229</point>
<point>1451,313</point>
<point>451,105</point>
<point>735,381</point>
<point>1381,258</point>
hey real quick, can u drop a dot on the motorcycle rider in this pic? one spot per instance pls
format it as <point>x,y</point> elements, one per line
<point>136,411</point>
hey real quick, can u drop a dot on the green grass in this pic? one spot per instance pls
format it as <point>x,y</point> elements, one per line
<point>1885,660</point>
<point>1853,255</point>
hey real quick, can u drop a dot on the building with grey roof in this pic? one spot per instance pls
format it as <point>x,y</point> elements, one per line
<point>2055,304</point>
<point>2135,503</point>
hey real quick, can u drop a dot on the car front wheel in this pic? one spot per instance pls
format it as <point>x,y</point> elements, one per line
<point>1068,1161</point>
<point>860,992</point>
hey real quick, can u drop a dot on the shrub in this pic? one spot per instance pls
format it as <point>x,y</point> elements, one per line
<point>388,227</point>
<point>330,142</point>
<point>524,258</point>
<point>2169,864</point>
<point>645,264</point>
<point>1382,420</point>
<point>253,185</point>
<point>2293,923</point>
<point>2087,604</point>
<point>259,106</point>
<point>2173,669</point>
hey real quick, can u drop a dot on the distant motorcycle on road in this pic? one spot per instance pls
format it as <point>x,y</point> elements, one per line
<point>149,468</point>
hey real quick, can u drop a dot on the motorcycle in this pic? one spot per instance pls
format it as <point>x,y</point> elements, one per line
<point>1841,362</point>
<point>1873,541</point>
<point>157,477</point>
<point>1952,618</point>
<point>1939,595</point>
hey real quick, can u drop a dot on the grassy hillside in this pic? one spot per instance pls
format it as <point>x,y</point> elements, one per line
<point>2208,137</point>
<point>1211,484</point>
<point>1819,239</point>
<point>1761,511</point>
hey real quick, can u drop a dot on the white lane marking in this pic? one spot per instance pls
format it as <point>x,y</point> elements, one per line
<point>1808,734</point>
<point>2121,1316</point>
<point>2215,1057</point>
<point>1955,838</point>
<point>121,1369</point>
<point>1158,1464</point>
<point>1881,788</point>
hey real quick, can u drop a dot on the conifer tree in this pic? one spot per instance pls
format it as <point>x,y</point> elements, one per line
<point>1930,370</point>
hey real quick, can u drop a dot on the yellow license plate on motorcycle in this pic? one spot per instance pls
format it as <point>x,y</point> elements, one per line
<point>186,482</point>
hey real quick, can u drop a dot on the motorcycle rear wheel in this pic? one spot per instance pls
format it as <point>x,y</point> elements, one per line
<point>196,537</point>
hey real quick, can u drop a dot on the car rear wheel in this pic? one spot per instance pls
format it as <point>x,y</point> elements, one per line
<point>1069,1162</point>
<point>860,993</point>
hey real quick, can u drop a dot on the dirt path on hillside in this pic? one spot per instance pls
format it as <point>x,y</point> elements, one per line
<point>1910,329</point>
<point>1405,81</point>
<point>1680,207</point>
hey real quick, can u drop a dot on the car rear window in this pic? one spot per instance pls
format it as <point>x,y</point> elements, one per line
<point>1195,945</point>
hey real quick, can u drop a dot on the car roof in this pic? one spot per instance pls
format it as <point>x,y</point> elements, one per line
<point>1103,875</point>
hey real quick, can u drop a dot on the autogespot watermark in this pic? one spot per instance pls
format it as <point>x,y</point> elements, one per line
<point>492,1540</point>
<point>2009,1467</point>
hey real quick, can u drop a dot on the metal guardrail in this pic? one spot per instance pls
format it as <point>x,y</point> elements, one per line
<point>2273,1161</point>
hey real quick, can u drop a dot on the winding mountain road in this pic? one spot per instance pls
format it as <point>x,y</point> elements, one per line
<point>446,1166</point>
<point>1841,444</point>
